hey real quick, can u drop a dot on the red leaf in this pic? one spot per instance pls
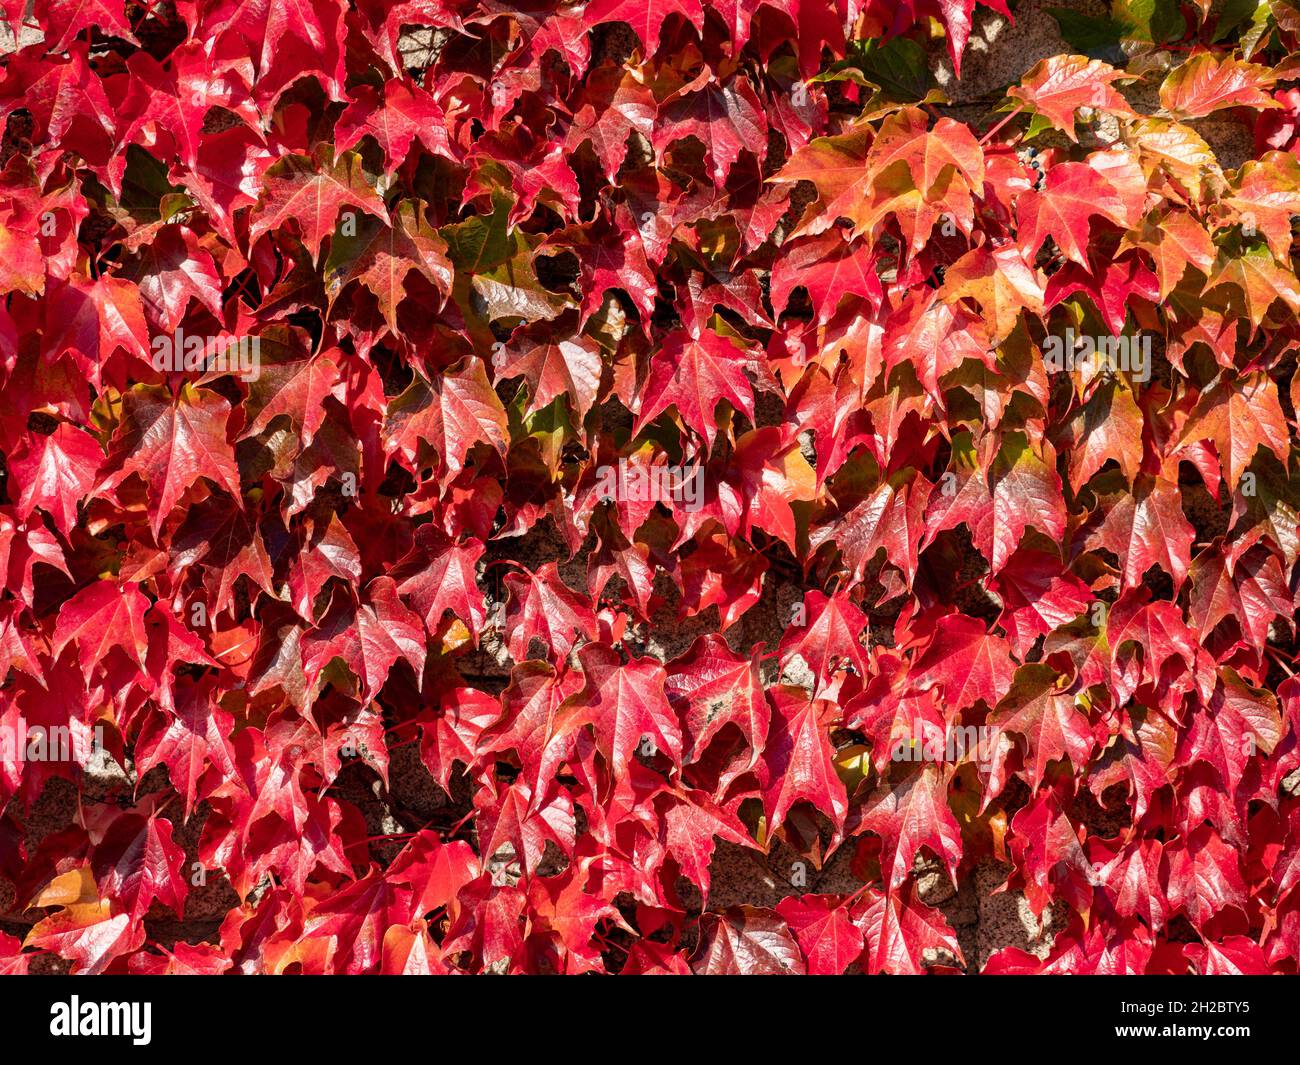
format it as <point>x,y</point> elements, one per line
<point>798,762</point>
<point>746,941</point>
<point>369,637</point>
<point>624,704</point>
<point>829,939</point>
<point>693,375</point>
<point>170,442</point>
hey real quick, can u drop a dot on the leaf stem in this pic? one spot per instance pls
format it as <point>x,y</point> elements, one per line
<point>1277,657</point>
<point>993,132</point>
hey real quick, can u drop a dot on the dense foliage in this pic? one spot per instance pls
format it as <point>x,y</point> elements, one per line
<point>673,423</point>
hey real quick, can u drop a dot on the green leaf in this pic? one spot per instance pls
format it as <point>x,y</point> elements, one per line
<point>482,242</point>
<point>1154,21</point>
<point>1096,36</point>
<point>899,68</point>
